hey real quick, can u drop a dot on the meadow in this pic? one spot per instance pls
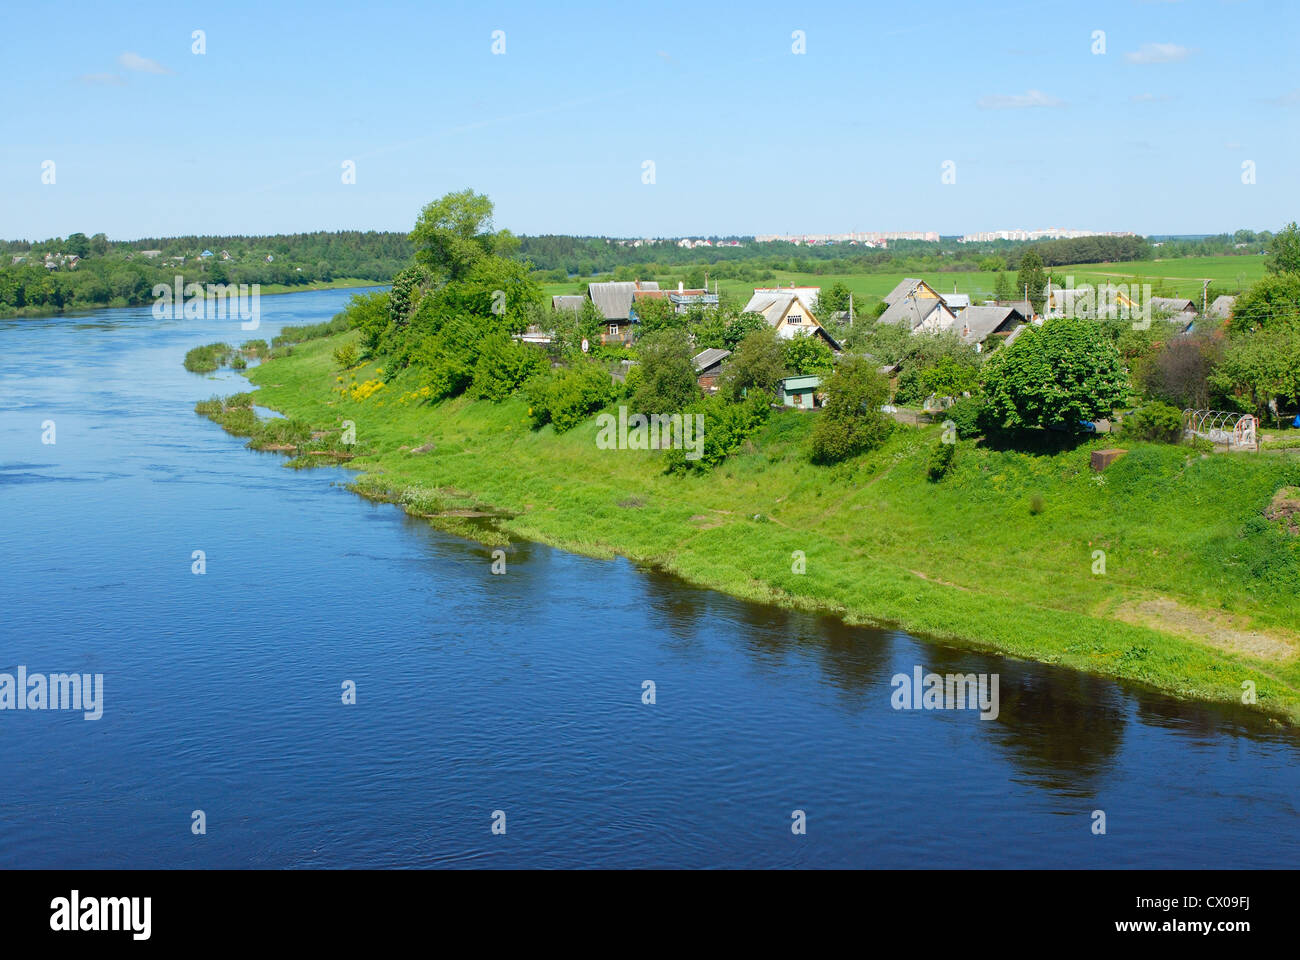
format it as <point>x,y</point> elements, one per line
<point>1180,277</point>
<point>1161,571</point>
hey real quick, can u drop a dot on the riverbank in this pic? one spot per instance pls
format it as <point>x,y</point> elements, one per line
<point>265,290</point>
<point>1193,595</point>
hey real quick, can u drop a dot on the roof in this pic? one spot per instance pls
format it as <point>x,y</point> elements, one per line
<point>772,304</point>
<point>1024,307</point>
<point>614,299</point>
<point>807,381</point>
<point>911,310</point>
<point>977,323</point>
<point>709,358</point>
<point>956,301</point>
<point>905,287</point>
<point>1222,306</point>
<point>1172,305</point>
<point>568,301</point>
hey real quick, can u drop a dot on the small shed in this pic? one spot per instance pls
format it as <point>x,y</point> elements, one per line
<point>708,364</point>
<point>800,392</point>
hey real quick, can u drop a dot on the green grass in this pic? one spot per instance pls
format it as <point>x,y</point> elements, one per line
<point>1174,278</point>
<point>997,555</point>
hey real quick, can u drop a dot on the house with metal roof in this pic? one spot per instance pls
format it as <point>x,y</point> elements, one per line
<point>790,315</point>
<point>977,324</point>
<point>911,287</point>
<point>920,314</point>
<point>1171,306</point>
<point>1221,308</point>
<point>614,301</point>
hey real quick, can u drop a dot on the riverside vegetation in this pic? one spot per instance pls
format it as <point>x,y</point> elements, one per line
<point>1174,568</point>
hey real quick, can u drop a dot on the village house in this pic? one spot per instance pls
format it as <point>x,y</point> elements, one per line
<point>1221,308</point>
<point>614,301</point>
<point>976,325</point>
<point>789,313</point>
<point>920,314</point>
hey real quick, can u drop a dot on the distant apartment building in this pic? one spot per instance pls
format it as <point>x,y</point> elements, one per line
<point>857,238</point>
<point>1051,233</point>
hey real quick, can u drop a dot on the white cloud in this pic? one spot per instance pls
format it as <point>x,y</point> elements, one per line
<point>133,61</point>
<point>1158,53</point>
<point>1018,101</point>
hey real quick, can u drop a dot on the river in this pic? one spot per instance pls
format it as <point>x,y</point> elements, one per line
<point>519,693</point>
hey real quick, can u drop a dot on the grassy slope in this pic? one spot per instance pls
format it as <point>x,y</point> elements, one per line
<point>964,559</point>
<point>1180,277</point>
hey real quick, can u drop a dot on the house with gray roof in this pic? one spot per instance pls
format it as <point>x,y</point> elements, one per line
<point>920,314</point>
<point>1221,308</point>
<point>708,366</point>
<point>790,315</point>
<point>614,301</point>
<point>976,324</point>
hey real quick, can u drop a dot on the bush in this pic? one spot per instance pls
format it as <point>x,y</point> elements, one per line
<point>968,415</point>
<point>726,427</point>
<point>503,365</point>
<point>346,356</point>
<point>567,398</point>
<point>941,460</point>
<point>1156,422</point>
<point>851,422</point>
<point>209,357</point>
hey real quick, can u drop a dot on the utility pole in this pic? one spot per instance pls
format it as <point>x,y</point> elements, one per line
<point>1205,296</point>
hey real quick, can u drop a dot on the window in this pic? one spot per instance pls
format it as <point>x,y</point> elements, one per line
<point>613,329</point>
<point>795,318</point>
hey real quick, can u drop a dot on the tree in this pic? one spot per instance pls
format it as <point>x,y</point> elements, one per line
<point>741,327</point>
<point>1033,278</point>
<point>756,366</point>
<point>1284,251</point>
<point>454,232</point>
<point>808,354</point>
<point>667,380</point>
<point>1058,375</point>
<point>1261,367</point>
<point>1273,301</point>
<point>851,422</point>
<point>834,299</point>
<point>77,244</point>
<point>1004,289</point>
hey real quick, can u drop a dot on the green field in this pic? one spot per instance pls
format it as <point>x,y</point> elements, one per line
<point>1180,277</point>
<point>1197,594</point>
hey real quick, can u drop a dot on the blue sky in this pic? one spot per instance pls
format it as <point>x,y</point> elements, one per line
<point>746,136</point>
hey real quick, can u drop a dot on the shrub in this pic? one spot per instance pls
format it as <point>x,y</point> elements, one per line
<point>568,397</point>
<point>726,427</point>
<point>503,364</point>
<point>941,460</point>
<point>209,357</point>
<point>346,356</point>
<point>851,422</point>
<point>1157,422</point>
<point>968,415</point>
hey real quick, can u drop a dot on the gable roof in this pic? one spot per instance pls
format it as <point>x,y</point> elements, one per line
<point>772,304</point>
<point>906,286</point>
<point>568,301</point>
<point>1222,307</point>
<point>1172,305</point>
<point>913,311</point>
<point>709,358</point>
<point>977,323</point>
<point>956,301</point>
<point>614,299</point>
